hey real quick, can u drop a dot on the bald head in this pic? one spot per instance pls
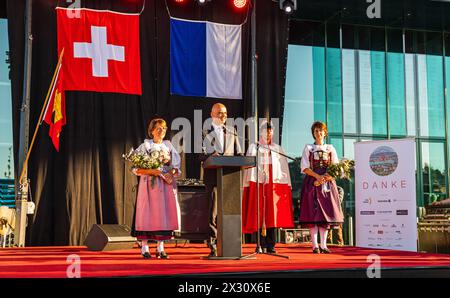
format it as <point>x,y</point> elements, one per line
<point>219,114</point>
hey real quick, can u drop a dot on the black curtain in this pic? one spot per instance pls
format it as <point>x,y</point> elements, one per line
<point>87,182</point>
<point>2,8</point>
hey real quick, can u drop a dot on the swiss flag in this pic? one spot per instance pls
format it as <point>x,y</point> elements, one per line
<point>55,112</point>
<point>102,51</point>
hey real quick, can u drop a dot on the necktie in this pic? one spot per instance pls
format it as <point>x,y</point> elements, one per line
<point>224,139</point>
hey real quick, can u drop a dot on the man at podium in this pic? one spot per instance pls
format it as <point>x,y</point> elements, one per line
<point>219,139</point>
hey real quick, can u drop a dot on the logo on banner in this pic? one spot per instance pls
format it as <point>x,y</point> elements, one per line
<point>383,161</point>
<point>367,212</point>
<point>368,201</point>
<point>402,212</point>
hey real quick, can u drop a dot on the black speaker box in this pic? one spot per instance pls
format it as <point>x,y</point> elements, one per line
<point>194,207</point>
<point>109,237</point>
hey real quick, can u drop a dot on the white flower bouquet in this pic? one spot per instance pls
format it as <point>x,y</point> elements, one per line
<point>154,159</point>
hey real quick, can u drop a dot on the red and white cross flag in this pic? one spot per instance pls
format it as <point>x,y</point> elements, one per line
<point>102,51</point>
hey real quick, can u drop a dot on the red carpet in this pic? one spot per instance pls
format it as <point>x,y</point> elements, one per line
<point>45,262</point>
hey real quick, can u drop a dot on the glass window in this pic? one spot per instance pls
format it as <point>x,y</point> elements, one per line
<point>333,35</point>
<point>6,139</point>
<point>307,33</point>
<point>396,83</point>
<point>430,95</point>
<point>414,42</point>
<point>349,78</point>
<point>447,86</point>
<point>376,74</point>
<point>349,36</point>
<point>349,148</point>
<point>435,88</point>
<point>349,90</point>
<point>372,80</point>
<point>433,172</point>
<point>305,91</point>
<point>338,145</point>
<point>333,79</point>
<point>372,39</point>
<point>378,77</point>
<point>434,112</point>
<point>299,97</point>
<point>334,90</point>
<point>319,84</point>
<point>410,93</point>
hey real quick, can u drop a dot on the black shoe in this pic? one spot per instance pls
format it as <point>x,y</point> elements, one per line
<point>316,250</point>
<point>325,250</point>
<point>213,252</point>
<point>146,255</point>
<point>271,250</point>
<point>162,255</point>
<point>213,249</point>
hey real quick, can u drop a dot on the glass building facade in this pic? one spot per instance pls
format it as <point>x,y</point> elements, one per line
<point>370,83</point>
<point>6,139</point>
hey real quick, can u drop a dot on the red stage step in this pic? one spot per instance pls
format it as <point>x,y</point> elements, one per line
<point>185,260</point>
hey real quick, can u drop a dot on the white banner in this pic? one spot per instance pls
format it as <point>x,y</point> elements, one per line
<point>385,201</point>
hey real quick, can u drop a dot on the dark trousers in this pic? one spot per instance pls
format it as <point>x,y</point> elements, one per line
<point>269,240</point>
<point>211,192</point>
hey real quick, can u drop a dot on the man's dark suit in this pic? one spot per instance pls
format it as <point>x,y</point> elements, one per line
<point>210,146</point>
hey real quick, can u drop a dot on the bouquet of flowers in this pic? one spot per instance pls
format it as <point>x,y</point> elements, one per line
<point>143,159</point>
<point>339,170</point>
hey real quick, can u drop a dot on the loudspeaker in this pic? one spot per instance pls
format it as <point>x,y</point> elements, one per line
<point>194,207</point>
<point>109,237</point>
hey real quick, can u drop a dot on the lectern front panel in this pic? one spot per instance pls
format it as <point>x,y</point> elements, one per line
<point>229,229</point>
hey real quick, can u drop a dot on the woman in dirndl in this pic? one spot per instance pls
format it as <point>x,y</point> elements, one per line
<point>157,213</point>
<point>319,205</point>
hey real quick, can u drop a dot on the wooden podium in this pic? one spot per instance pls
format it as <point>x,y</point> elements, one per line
<point>229,196</point>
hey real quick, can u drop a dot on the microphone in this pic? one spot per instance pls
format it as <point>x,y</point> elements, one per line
<point>229,131</point>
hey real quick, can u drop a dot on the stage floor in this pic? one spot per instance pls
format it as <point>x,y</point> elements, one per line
<point>186,260</point>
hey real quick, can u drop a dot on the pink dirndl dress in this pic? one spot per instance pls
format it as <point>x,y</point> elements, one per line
<point>157,212</point>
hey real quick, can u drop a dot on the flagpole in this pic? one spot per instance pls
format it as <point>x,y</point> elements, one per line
<point>22,188</point>
<point>44,107</point>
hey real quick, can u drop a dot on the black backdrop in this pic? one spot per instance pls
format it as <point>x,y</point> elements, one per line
<point>87,182</point>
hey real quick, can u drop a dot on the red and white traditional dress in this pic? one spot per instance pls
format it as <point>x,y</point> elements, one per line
<point>275,190</point>
<point>157,213</point>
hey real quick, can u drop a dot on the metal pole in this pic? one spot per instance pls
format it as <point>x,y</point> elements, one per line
<point>254,81</point>
<point>254,88</point>
<point>22,186</point>
<point>350,231</point>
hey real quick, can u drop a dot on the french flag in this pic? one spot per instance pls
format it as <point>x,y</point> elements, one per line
<point>205,59</point>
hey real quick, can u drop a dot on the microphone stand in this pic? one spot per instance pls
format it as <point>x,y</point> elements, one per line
<point>258,249</point>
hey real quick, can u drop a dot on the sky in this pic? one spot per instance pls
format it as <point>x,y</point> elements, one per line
<point>5,101</point>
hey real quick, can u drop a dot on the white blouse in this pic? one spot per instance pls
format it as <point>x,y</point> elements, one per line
<point>311,148</point>
<point>280,167</point>
<point>165,145</point>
